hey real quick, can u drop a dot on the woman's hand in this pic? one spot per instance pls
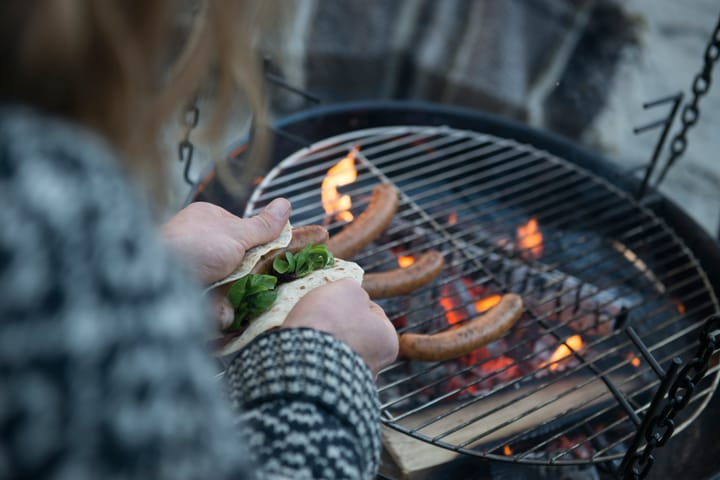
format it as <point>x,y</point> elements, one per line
<point>214,241</point>
<point>344,310</point>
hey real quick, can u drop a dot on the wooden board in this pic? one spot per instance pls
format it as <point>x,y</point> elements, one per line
<point>541,408</point>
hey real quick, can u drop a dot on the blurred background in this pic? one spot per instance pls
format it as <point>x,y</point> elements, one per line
<point>579,68</point>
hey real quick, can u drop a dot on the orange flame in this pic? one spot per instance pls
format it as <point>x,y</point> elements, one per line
<point>575,342</point>
<point>342,173</point>
<point>487,303</point>
<point>452,219</point>
<point>507,451</point>
<point>405,261</point>
<point>530,240</point>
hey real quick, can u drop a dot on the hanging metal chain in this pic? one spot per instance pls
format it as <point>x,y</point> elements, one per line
<point>691,110</point>
<point>186,149</point>
<point>659,429</point>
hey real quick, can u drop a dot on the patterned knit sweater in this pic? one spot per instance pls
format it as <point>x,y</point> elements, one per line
<point>102,369</point>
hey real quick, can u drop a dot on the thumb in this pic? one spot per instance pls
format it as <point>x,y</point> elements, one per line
<point>265,226</point>
<point>223,311</point>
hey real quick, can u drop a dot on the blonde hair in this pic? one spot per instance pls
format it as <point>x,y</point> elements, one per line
<point>126,67</point>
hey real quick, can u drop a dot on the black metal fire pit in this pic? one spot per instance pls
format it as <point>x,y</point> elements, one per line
<point>614,288</point>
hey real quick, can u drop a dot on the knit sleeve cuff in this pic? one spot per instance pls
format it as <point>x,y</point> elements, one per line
<point>309,365</point>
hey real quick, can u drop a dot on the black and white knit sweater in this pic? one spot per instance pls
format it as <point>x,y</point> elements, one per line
<point>102,369</point>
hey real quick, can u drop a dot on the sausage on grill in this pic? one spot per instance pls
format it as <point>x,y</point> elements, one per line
<point>462,340</point>
<point>368,225</point>
<point>404,280</point>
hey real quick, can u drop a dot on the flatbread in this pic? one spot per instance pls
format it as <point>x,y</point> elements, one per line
<point>289,294</point>
<point>252,256</point>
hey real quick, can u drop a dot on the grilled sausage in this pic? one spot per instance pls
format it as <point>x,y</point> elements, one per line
<point>460,341</point>
<point>404,280</point>
<point>368,225</point>
<point>301,236</point>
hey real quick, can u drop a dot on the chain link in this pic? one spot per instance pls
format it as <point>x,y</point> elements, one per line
<point>186,149</point>
<point>691,111</point>
<point>661,428</point>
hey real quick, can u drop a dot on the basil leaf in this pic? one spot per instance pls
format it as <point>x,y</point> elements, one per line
<point>237,292</point>
<point>261,283</point>
<point>291,261</point>
<point>262,301</point>
<point>250,296</point>
<point>239,319</point>
<point>307,260</point>
<point>281,266</point>
<point>300,261</point>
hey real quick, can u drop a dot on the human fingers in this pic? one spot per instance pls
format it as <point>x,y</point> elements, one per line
<point>265,226</point>
<point>388,342</point>
<point>223,311</point>
<point>344,310</point>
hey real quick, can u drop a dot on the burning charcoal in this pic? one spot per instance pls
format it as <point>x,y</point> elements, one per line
<point>548,292</point>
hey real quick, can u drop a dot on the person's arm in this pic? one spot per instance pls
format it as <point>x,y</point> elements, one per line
<point>306,391</point>
<point>308,405</point>
<point>103,371</point>
<point>307,400</point>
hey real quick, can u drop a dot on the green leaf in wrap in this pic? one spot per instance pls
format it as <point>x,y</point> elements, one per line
<point>250,296</point>
<point>307,260</point>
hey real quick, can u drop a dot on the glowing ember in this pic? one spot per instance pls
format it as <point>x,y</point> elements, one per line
<point>575,342</point>
<point>507,451</point>
<point>530,240</point>
<point>452,315</point>
<point>452,305</point>
<point>342,173</point>
<point>487,303</point>
<point>405,261</point>
<point>452,219</point>
<point>680,308</point>
<point>634,360</point>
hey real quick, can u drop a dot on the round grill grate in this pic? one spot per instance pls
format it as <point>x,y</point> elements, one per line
<point>566,385</point>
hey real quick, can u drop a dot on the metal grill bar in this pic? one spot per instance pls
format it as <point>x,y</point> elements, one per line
<point>534,409</point>
<point>601,261</point>
<point>498,249</point>
<point>547,210</point>
<point>320,169</point>
<point>508,385</point>
<point>454,163</point>
<point>443,232</point>
<point>382,161</point>
<point>597,414</point>
<point>632,277</point>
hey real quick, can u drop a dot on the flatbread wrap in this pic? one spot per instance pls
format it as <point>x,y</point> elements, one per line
<point>253,256</point>
<point>288,291</point>
<point>288,295</point>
